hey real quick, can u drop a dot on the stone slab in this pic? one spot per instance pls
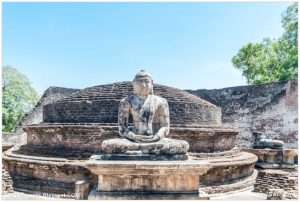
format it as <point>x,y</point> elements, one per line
<point>265,150</point>
<point>96,195</point>
<point>111,167</point>
<point>152,183</point>
<point>275,166</point>
<point>142,157</point>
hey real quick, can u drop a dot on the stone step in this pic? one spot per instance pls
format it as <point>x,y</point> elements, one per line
<point>26,183</point>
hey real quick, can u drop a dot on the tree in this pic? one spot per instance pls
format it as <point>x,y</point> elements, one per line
<point>272,60</point>
<point>18,97</point>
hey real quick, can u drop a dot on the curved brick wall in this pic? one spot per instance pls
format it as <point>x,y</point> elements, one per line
<point>269,108</point>
<point>100,104</point>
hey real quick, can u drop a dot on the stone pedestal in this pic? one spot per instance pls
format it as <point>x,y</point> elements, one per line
<point>147,179</point>
<point>275,158</point>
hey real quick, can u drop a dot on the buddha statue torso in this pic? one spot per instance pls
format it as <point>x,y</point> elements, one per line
<point>150,116</point>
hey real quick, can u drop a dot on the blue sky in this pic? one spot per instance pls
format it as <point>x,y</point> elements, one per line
<point>183,45</point>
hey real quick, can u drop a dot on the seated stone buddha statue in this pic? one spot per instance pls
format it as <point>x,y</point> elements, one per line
<point>151,123</point>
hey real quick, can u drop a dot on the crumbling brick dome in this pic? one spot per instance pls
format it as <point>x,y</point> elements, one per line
<point>99,104</point>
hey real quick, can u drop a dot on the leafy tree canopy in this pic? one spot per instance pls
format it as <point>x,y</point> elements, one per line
<point>18,97</point>
<point>272,60</point>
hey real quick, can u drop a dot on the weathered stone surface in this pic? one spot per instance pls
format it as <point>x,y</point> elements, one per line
<point>139,156</point>
<point>7,183</point>
<point>289,156</point>
<point>219,189</point>
<point>88,137</point>
<point>82,190</point>
<point>276,194</point>
<point>260,141</point>
<point>69,139</point>
<point>164,176</point>
<point>227,169</point>
<point>206,139</point>
<point>100,104</point>
<point>270,108</point>
<point>53,175</point>
<point>275,158</point>
<point>164,146</point>
<point>275,179</point>
<point>35,116</point>
<point>167,183</point>
<point>96,195</point>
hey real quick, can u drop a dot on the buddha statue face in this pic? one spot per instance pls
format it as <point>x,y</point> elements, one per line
<point>143,84</point>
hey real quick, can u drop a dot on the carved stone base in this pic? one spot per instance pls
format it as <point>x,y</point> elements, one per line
<point>275,158</point>
<point>161,179</point>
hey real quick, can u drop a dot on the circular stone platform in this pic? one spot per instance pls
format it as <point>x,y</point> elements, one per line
<point>45,174</point>
<point>229,171</point>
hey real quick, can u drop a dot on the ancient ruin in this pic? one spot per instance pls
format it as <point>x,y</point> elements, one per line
<point>270,180</point>
<point>277,174</point>
<point>271,153</point>
<point>270,108</point>
<point>62,153</point>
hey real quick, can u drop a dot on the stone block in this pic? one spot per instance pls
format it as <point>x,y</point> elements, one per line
<point>82,190</point>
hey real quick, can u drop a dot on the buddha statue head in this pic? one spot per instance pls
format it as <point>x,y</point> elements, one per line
<point>143,84</point>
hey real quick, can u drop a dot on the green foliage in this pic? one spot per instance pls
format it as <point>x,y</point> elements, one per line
<point>18,97</point>
<point>290,24</point>
<point>272,60</point>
